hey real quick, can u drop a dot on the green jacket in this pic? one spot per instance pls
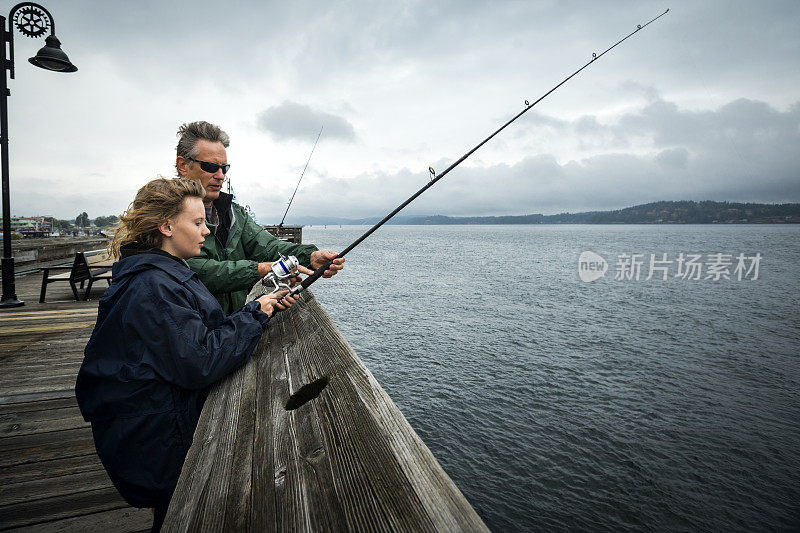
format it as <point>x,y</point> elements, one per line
<point>230,271</point>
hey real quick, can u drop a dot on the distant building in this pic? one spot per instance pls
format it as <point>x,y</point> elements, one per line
<point>32,226</point>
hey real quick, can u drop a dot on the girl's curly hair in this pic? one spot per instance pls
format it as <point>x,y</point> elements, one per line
<point>155,203</point>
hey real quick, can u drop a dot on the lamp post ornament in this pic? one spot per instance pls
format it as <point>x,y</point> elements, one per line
<point>31,20</point>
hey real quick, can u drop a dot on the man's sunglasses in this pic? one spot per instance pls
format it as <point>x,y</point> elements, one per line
<point>208,166</point>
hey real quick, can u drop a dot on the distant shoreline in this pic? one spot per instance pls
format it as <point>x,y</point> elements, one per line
<point>666,213</point>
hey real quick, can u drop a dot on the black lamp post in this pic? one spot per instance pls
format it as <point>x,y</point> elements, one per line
<point>32,20</point>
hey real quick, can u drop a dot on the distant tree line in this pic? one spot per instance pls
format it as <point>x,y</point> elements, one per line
<point>682,212</point>
<point>688,212</point>
<point>105,222</point>
<point>83,221</point>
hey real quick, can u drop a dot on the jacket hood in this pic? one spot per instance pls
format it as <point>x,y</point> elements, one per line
<point>133,248</point>
<point>142,260</point>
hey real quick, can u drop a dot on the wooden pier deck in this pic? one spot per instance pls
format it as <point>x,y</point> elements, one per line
<point>50,476</point>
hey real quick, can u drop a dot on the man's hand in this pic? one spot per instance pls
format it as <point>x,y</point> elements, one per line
<point>319,258</point>
<point>263,269</point>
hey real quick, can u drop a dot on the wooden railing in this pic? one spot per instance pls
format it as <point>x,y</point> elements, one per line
<point>345,461</point>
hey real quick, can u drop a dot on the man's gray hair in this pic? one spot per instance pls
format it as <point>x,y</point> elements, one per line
<point>190,133</point>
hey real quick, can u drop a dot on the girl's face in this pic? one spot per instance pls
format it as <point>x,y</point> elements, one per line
<point>184,235</point>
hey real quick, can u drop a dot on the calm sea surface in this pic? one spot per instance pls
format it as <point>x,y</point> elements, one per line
<point>557,404</point>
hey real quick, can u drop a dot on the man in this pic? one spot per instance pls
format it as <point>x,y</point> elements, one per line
<point>238,252</point>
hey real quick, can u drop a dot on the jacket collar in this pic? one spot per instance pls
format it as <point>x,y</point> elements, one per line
<point>223,202</point>
<point>135,248</point>
<point>153,258</point>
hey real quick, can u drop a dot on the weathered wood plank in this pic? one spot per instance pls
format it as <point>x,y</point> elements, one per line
<point>36,396</point>
<point>238,502</point>
<point>58,367</point>
<point>52,356</point>
<point>24,318</point>
<point>40,447</point>
<point>42,348</point>
<point>49,469</point>
<point>126,520</point>
<point>61,365</point>
<point>312,461</point>
<point>212,500</point>
<point>347,460</point>
<point>44,329</point>
<point>288,514</point>
<point>43,352</point>
<point>265,477</point>
<point>33,422</point>
<point>38,384</point>
<point>38,489</point>
<point>23,407</point>
<point>50,509</point>
<point>45,345</point>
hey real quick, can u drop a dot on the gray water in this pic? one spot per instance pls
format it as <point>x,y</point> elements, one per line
<point>557,404</point>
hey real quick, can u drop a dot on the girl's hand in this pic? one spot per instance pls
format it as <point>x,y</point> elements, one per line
<point>269,302</point>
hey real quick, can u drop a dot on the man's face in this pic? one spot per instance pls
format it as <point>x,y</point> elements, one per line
<point>213,152</point>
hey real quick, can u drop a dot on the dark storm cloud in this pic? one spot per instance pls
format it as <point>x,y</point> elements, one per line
<point>294,121</point>
<point>310,42</point>
<point>744,151</point>
<point>741,138</point>
<point>745,147</point>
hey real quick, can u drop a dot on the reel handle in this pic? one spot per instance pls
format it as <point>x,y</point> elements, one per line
<point>297,289</point>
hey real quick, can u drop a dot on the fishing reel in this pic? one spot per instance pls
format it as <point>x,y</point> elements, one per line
<point>280,273</point>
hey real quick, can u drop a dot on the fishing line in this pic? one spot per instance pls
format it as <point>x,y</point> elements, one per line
<point>436,177</point>
<point>301,176</point>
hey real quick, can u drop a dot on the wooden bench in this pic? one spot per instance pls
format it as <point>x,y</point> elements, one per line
<point>87,267</point>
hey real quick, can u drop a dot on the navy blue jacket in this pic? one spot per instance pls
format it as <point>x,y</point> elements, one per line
<point>160,341</point>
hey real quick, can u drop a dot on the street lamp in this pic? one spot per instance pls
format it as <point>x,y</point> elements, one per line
<point>32,20</point>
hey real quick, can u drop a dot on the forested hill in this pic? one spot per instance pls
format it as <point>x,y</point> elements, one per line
<point>685,212</point>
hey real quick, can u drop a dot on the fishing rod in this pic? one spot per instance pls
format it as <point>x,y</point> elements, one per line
<point>436,177</point>
<point>301,176</point>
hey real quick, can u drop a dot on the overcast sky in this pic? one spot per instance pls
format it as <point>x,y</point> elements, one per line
<point>703,104</point>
